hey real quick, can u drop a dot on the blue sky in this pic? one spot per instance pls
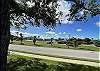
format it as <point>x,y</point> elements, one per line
<point>89,29</point>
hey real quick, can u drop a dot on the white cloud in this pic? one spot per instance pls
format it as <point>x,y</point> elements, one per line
<point>64,32</point>
<point>59,33</point>
<point>78,30</point>
<point>52,35</point>
<point>13,32</point>
<point>77,36</point>
<point>50,32</point>
<point>18,1</point>
<point>30,3</point>
<point>43,36</point>
<point>64,7</point>
<point>81,12</point>
<point>57,36</point>
<point>51,29</point>
<point>65,21</point>
<point>25,34</point>
<point>98,24</point>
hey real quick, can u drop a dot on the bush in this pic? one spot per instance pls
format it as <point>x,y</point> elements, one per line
<point>87,41</point>
<point>97,43</point>
<point>49,42</point>
<point>79,42</point>
<point>20,63</point>
<point>61,42</point>
<point>73,43</point>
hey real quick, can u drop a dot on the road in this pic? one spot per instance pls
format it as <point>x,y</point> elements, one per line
<point>57,51</point>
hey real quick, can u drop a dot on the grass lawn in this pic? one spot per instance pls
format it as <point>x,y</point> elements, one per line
<point>72,58</point>
<point>89,47</point>
<point>11,56</point>
<point>55,45</point>
<point>23,63</point>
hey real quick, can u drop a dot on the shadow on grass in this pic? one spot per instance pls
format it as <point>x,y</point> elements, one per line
<point>21,43</point>
<point>37,45</point>
<point>22,63</point>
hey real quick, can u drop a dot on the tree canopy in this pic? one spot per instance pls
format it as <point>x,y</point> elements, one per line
<point>37,12</point>
<point>88,7</point>
<point>40,12</point>
<point>44,12</point>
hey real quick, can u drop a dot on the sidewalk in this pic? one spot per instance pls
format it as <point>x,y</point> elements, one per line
<point>58,59</point>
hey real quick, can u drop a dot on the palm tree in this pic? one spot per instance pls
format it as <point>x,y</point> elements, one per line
<point>17,33</point>
<point>34,39</point>
<point>75,42</point>
<point>51,41</point>
<point>21,38</point>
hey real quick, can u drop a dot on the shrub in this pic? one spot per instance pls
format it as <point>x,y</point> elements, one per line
<point>49,42</point>
<point>97,43</point>
<point>73,43</point>
<point>61,42</point>
<point>87,41</point>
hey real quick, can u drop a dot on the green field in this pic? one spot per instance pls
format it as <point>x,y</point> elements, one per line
<point>23,63</point>
<point>55,45</point>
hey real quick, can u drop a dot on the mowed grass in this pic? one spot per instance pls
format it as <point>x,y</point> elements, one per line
<point>12,56</point>
<point>56,45</point>
<point>40,43</point>
<point>24,63</point>
<point>89,47</point>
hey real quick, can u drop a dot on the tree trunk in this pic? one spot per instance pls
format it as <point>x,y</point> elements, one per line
<point>4,33</point>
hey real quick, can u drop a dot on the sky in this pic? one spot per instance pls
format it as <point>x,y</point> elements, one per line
<point>80,29</point>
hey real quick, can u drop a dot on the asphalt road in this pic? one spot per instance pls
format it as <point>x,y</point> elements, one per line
<point>57,51</point>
